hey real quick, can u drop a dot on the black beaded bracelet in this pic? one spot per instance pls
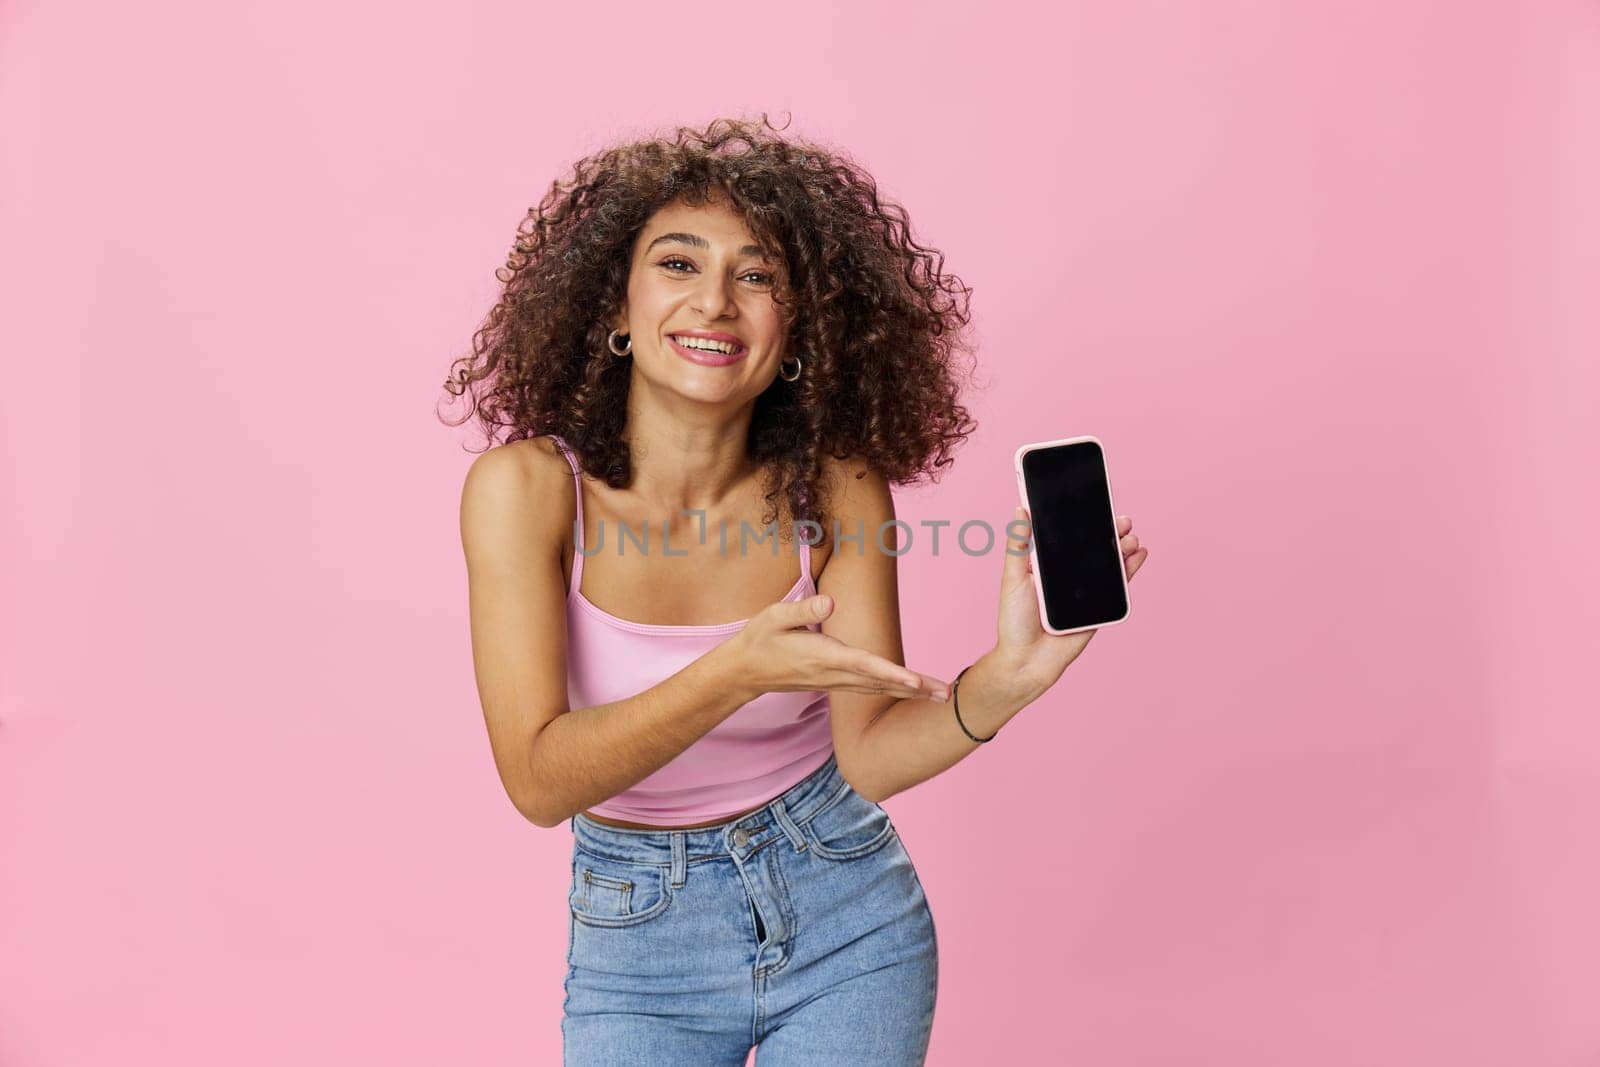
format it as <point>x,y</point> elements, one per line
<point>955,698</point>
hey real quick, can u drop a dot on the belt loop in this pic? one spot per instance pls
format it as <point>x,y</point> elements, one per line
<point>781,813</point>
<point>680,860</point>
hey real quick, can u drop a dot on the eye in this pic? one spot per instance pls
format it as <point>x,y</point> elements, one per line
<point>668,263</point>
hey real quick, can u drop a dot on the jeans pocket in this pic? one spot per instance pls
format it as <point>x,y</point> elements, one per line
<point>613,893</point>
<point>847,826</point>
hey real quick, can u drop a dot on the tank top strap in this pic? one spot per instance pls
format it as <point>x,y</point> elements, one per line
<point>805,551</point>
<point>577,538</point>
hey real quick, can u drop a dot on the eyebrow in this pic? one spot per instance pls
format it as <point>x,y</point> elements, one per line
<point>700,242</point>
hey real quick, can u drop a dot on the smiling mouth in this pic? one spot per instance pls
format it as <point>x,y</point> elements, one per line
<point>715,348</point>
<point>707,357</point>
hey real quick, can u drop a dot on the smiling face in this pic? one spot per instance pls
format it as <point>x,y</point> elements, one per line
<point>700,311</point>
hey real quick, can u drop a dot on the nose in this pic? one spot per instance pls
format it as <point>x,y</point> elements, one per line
<point>713,297</point>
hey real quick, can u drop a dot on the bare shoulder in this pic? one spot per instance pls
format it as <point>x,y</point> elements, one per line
<point>518,486</point>
<point>855,489</point>
<point>859,501</point>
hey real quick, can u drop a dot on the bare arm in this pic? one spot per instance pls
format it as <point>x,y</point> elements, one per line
<point>891,744</point>
<point>886,744</point>
<point>553,761</point>
<point>592,754</point>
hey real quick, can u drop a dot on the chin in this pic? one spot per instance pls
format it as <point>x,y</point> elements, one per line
<point>693,387</point>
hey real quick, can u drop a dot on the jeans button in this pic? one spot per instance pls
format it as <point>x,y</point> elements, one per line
<point>741,837</point>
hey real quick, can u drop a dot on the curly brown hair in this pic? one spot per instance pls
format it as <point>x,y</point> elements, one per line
<point>877,320</point>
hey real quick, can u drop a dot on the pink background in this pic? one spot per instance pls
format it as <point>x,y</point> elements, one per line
<point>1322,276</point>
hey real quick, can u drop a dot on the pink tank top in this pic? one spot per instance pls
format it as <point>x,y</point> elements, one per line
<point>753,755</point>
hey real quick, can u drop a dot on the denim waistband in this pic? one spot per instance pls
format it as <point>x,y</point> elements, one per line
<point>743,835</point>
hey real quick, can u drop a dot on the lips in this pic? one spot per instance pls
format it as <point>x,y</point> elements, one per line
<point>707,358</point>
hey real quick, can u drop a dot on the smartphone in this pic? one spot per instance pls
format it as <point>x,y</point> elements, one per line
<point>1078,573</point>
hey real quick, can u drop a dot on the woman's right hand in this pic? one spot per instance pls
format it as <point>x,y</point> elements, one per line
<point>776,652</point>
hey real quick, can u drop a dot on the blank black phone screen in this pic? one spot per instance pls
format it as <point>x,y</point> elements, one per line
<point>1075,539</point>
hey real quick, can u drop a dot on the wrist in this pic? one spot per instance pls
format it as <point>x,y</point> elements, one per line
<point>985,697</point>
<point>1004,678</point>
<point>731,674</point>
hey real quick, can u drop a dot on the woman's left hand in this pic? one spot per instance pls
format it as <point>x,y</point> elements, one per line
<point>1034,657</point>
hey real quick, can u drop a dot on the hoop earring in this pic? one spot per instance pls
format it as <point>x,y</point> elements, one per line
<point>798,367</point>
<point>611,343</point>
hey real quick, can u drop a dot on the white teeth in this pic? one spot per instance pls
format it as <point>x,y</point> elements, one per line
<point>708,346</point>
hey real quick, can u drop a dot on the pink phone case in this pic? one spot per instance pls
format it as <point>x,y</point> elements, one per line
<point>1111,531</point>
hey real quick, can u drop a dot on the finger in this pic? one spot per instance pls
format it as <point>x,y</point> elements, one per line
<point>1018,560</point>
<point>789,614</point>
<point>930,684</point>
<point>869,673</point>
<point>930,687</point>
<point>1129,543</point>
<point>882,690</point>
<point>1124,524</point>
<point>860,662</point>
<point>856,683</point>
<point>863,683</point>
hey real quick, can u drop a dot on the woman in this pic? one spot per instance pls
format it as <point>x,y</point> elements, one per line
<point>712,340</point>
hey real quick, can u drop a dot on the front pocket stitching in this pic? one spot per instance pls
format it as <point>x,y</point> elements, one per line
<point>607,880</point>
<point>838,795</point>
<point>622,920</point>
<point>581,914</point>
<point>815,839</point>
<point>853,852</point>
<point>621,885</point>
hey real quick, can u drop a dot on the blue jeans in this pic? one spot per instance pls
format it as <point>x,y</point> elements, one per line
<point>800,929</point>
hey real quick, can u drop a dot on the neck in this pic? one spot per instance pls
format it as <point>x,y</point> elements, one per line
<point>688,459</point>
